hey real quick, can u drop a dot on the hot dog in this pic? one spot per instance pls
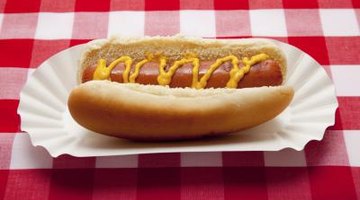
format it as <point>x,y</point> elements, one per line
<point>265,73</point>
<point>170,88</point>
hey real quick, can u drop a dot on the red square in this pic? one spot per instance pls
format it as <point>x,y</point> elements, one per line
<point>159,183</point>
<point>17,52</point>
<point>6,144</point>
<point>75,42</point>
<point>232,23</point>
<point>202,183</point>
<point>288,183</point>
<point>231,4</point>
<point>90,25</point>
<point>314,46</point>
<point>28,184</point>
<point>238,159</point>
<point>2,8</point>
<point>335,3</point>
<point>85,5</point>
<point>22,6</point>
<point>301,22</point>
<point>127,5</point>
<point>162,23</point>
<point>300,4</point>
<point>9,119</point>
<point>330,151</point>
<point>343,50</point>
<point>162,5</point>
<point>356,3</point>
<point>57,6</point>
<point>331,182</point>
<point>115,184</point>
<point>197,5</point>
<point>265,4</point>
<point>67,161</point>
<point>12,80</point>
<point>19,25</point>
<point>356,177</point>
<point>245,183</point>
<point>4,174</point>
<point>349,111</point>
<point>43,49</point>
<point>159,160</point>
<point>71,184</point>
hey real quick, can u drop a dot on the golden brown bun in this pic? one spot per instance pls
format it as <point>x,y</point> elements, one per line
<point>145,112</point>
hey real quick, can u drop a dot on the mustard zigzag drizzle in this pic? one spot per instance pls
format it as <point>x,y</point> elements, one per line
<point>102,72</point>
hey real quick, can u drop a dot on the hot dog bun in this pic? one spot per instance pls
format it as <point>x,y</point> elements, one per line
<point>153,112</point>
<point>149,112</point>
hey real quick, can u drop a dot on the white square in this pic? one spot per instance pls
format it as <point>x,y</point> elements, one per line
<point>1,19</point>
<point>268,22</point>
<point>201,159</point>
<point>26,156</point>
<point>285,158</point>
<point>130,161</point>
<point>127,23</point>
<point>352,141</point>
<point>346,79</point>
<point>339,22</point>
<point>198,23</point>
<point>30,71</point>
<point>54,26</point>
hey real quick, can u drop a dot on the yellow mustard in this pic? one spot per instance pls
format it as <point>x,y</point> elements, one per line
<point>164,77</point>
<point>102,72</point>
<point>236,73</point>
<point>138,66</point>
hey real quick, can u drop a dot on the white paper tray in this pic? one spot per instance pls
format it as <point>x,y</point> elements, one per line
<point>44,114</point>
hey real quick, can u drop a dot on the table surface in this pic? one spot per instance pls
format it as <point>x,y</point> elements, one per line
<point>328,30</point>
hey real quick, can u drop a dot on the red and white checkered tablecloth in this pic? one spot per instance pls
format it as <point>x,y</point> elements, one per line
<point>328,30</point>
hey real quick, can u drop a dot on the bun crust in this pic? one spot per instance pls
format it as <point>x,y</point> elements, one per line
<point>143,112</point>
<point>175,47</point>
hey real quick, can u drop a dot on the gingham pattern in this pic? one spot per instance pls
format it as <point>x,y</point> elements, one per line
<point>329,30</point>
